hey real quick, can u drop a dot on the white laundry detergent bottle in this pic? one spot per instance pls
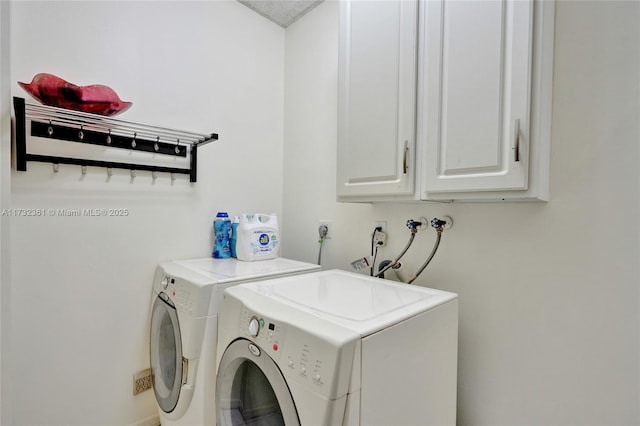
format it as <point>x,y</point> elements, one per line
<point>257,237</point>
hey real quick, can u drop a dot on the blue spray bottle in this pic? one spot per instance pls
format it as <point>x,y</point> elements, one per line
<point>222,231</point>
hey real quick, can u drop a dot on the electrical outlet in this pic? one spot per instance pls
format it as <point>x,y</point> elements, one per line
<point>326,223</point>
<point>379,239</point>
<point>142,381</point>
<point>382,224</point>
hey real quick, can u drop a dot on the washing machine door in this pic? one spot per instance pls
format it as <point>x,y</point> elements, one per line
<point>166,353</point>
<point>250,389</point>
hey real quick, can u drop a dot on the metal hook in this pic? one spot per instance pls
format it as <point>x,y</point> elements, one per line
<point>84,170</point>
<point>50,129</point>
<point>81,133</point>
<point>156,146</point>
<point>109,137</point>
<point>133,173</point>
<point>133,141</point>
<point>56,167</point>
<point>178,147</point>
<point>154,175</point>
<point>109,171</point>
<point>173,177</point>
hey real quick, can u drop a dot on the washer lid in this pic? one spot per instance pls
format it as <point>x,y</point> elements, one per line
<point>221,271</point>
<point>362,303</point>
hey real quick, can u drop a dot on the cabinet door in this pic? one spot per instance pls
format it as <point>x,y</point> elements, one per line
<point>377,98</point>
<point>476,95</point>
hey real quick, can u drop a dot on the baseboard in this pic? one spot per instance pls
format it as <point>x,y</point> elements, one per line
<point>149,421</point>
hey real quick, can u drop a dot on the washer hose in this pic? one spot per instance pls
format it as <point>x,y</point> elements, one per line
<point>322,232</point>
<point>413,227</point>
<point>433,252</point>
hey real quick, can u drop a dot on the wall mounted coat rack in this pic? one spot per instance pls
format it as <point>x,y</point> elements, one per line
<point>75,126</point>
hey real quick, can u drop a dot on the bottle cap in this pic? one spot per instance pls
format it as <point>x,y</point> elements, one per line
<point>222,214</point>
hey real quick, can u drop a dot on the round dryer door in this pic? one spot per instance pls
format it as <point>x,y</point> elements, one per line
<point>166,353</point>
<point>251,390</point>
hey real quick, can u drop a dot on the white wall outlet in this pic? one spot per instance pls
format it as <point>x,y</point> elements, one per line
<point>382,224</point>
<point>379,239</point>
<point>326,223</point>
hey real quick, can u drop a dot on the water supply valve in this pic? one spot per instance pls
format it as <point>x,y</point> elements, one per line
<point>437,223</point>
<point>442,223</point>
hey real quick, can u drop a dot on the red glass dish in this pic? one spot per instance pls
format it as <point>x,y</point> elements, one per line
<point>54,91</point>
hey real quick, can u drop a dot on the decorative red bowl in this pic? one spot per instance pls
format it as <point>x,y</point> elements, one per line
<point>54,91</point>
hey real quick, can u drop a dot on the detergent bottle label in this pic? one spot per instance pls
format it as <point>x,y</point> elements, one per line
<point>263,243</point>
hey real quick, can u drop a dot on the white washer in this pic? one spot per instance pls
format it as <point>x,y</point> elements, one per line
<point>187,295</point>
<point>337,348</point>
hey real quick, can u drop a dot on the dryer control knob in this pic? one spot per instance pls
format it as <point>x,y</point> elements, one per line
<point>165,282</point>
<point>254,327</point>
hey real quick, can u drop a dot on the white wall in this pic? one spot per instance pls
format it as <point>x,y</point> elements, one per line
<point>548,292</point>
<point>81,286</point>
<point>5,193</point>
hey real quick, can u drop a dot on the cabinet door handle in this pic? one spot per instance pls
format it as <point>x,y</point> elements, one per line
<point>405,158</point>
<point>516,145</point>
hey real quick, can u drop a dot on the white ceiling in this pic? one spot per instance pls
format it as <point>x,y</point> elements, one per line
<point>282,12</point>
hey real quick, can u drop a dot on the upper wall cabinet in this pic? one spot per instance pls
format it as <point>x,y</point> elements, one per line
<point>481,104</point>
<point>377,98</point>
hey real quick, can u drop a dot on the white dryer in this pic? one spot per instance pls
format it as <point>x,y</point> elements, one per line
<point>187,296</point>
<point>337,348</point>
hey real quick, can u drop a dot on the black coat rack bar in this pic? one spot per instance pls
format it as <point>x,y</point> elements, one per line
<point>74,126</point>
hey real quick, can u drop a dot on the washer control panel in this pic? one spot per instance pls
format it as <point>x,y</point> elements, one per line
<point>301,355</point>
<point>179,293</point>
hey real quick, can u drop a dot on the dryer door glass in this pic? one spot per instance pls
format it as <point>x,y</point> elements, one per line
<point>166,353</point>
<point>251,390</point>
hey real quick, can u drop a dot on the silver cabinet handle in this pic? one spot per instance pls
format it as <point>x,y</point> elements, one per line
<point>405,158</point>
<point>516,147</point>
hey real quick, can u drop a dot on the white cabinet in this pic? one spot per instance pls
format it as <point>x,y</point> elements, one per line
<point>482,101</point>
<point>476,97</point>
<point>377,98</point>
